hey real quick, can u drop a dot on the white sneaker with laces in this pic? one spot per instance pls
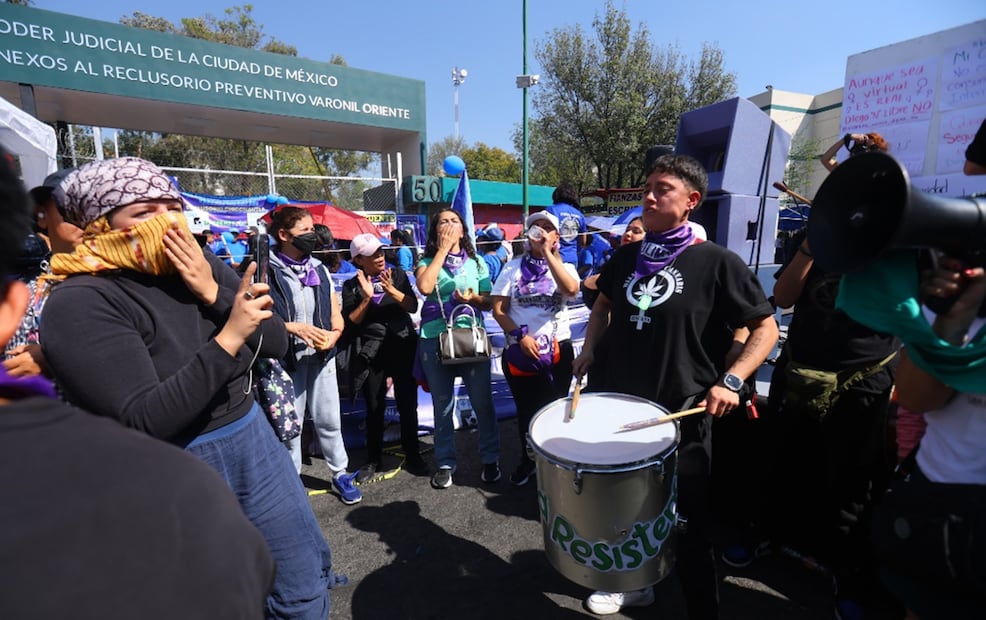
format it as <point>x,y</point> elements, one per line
<point>604,603</point>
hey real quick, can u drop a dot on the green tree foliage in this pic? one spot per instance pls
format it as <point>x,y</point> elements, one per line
<point>605,99</point>
<point>801,163</point>
<point>140,19</point>
<point>491,163</point>
<point>485,162</point>
<point>437,152</point>
<point>238,27</point>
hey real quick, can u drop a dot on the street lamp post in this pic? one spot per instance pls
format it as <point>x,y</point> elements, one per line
<point>524,82</point>
<point>458,77</point>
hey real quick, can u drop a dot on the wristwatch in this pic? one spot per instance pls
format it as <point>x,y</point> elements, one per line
<point>732,382</point>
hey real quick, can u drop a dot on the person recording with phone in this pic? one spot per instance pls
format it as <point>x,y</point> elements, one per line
<point>855,143</point>
<point>147,329</point>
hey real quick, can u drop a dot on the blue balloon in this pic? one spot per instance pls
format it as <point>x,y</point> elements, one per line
<point>281,200</point>
<point>453,165</point>
<point>271,198</point>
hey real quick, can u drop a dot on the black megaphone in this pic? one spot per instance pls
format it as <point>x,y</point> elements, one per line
<point>867,206</point>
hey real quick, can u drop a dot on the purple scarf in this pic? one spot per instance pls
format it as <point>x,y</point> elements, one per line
<point>377,289</point>
<point>431,311</point>
<point>303,269</point>
<point>454,262</point>
<point>659,249</point>
<point>16,388</point>
<point>531,270</point>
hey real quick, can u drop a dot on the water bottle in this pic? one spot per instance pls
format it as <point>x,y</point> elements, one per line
<point>535,233</point>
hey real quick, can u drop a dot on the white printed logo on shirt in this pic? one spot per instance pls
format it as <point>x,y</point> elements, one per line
<point>650,291</point>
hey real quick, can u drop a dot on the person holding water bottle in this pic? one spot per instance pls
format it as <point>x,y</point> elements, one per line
<point>449,275</point>
<point>529,303</point>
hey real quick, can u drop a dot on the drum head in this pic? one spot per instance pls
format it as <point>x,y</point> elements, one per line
<point>591,437</point>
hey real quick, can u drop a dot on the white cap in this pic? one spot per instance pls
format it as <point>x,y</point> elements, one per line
<point>534,218</point>
<point>365,244</point>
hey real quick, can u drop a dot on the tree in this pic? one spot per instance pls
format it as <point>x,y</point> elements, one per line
<point>604,101</point>
<point>139,19</point>
<point>239,28</point>
<point>491,163</point>
<point>449,145</point>
<point>801,162</point>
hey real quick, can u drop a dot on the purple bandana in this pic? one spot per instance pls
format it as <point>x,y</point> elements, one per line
<point>377,289</point>
<point>453,262</point>
<point>431,311</point>
<point>16,388</point>
<point>303,269</point>
<point>531,270</point>
<point>658,250</point>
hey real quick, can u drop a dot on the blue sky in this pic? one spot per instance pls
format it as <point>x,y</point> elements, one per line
<point>791,45</point>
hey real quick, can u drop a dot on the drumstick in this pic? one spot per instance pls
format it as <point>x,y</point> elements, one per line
<point>575,400</point>
<point>634,426</point>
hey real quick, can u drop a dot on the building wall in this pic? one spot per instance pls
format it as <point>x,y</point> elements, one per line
<point>805,117</point>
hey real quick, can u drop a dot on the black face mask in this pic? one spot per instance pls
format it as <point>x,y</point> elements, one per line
<point>305,243</point>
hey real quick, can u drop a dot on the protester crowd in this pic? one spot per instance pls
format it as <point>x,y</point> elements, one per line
<point>172,344</point>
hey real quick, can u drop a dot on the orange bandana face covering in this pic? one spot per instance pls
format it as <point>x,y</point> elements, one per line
<point>138,248</point>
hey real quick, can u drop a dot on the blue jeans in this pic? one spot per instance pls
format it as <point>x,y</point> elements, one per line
<point>441,381</point>
<point>258,470</point>
<point>316,395</point>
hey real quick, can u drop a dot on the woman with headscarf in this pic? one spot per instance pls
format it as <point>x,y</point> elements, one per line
<point>529,303</point>
<point>449,274</point>
<point>148,329</point>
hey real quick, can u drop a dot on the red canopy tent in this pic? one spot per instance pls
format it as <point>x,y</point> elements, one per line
<point>344,224</point>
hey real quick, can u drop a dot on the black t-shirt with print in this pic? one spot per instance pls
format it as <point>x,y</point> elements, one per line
<point>675,347</point>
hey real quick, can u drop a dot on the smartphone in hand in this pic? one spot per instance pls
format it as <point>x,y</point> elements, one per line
<point>262,257</point>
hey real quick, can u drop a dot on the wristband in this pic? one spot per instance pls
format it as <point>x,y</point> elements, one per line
<point>802,249</point>
<point>518,333</point>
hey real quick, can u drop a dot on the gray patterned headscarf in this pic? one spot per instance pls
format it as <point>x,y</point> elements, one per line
<point>96,188</point>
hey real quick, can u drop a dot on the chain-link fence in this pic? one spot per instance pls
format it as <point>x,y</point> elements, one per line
<point>77,145</point>
<point>354,193</point>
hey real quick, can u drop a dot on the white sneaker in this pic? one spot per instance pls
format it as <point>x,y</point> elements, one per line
<point>603,603</point>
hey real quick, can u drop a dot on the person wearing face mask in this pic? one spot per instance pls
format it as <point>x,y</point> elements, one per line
<point>530,304</point>
<point>376,304</point>
<point>149,330</point>
<point>304,297</point>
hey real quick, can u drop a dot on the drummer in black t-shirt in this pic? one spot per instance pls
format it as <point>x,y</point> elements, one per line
<point>666,300</point>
